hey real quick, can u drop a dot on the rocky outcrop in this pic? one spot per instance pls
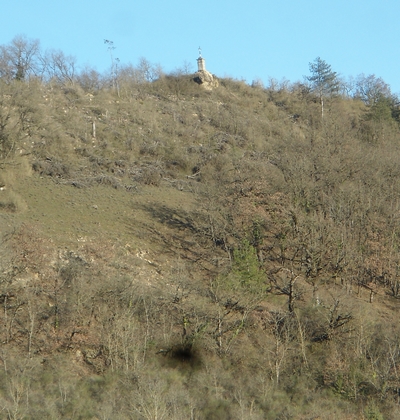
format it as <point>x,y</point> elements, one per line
<point>205,79</point>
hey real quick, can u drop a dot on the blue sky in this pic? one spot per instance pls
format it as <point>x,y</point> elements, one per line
<point>254,39</point>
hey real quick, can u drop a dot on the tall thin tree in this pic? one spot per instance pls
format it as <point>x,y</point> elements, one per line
<point>324,82</point>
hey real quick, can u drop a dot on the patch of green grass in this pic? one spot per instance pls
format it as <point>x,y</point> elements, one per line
<point>69,214</point>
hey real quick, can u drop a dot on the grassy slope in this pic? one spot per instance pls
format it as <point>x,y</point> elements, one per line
<point>144,257</point>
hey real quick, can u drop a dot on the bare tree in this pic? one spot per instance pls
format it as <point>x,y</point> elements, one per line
<point>150,72</point>
<point>20,59</point>
<point>370,89</point>
<point>59,67</point>
<point>114,65</point>
<point>284,282</point>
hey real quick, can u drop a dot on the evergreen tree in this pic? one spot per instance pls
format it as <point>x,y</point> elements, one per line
<point>324,82</point>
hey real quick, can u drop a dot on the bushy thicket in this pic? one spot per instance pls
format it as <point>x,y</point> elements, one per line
<point>279,296</point>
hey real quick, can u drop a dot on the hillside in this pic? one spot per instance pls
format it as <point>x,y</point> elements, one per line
<point>169,252</point>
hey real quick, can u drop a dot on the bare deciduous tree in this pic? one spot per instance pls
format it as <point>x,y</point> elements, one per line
<point>20,59</point>
<point>59,67</point>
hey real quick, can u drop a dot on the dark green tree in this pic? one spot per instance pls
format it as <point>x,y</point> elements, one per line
<point>381,109</point>
<point>323,81</point>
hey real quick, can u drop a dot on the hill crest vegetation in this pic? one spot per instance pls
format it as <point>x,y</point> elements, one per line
<point>171,252</point>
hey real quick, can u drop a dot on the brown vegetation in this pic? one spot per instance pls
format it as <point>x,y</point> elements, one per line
<point>170,252</point>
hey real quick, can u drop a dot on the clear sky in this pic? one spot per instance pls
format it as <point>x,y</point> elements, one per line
<point>253,39</point>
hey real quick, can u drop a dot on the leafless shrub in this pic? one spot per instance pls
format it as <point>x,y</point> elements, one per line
<point>51,167</point>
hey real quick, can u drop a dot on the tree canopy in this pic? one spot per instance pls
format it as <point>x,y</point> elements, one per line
<point>323,81</point>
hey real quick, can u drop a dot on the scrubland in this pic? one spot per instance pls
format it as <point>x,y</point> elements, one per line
<point>169,252</point>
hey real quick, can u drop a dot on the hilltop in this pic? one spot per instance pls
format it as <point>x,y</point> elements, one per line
<point>174,252</point>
